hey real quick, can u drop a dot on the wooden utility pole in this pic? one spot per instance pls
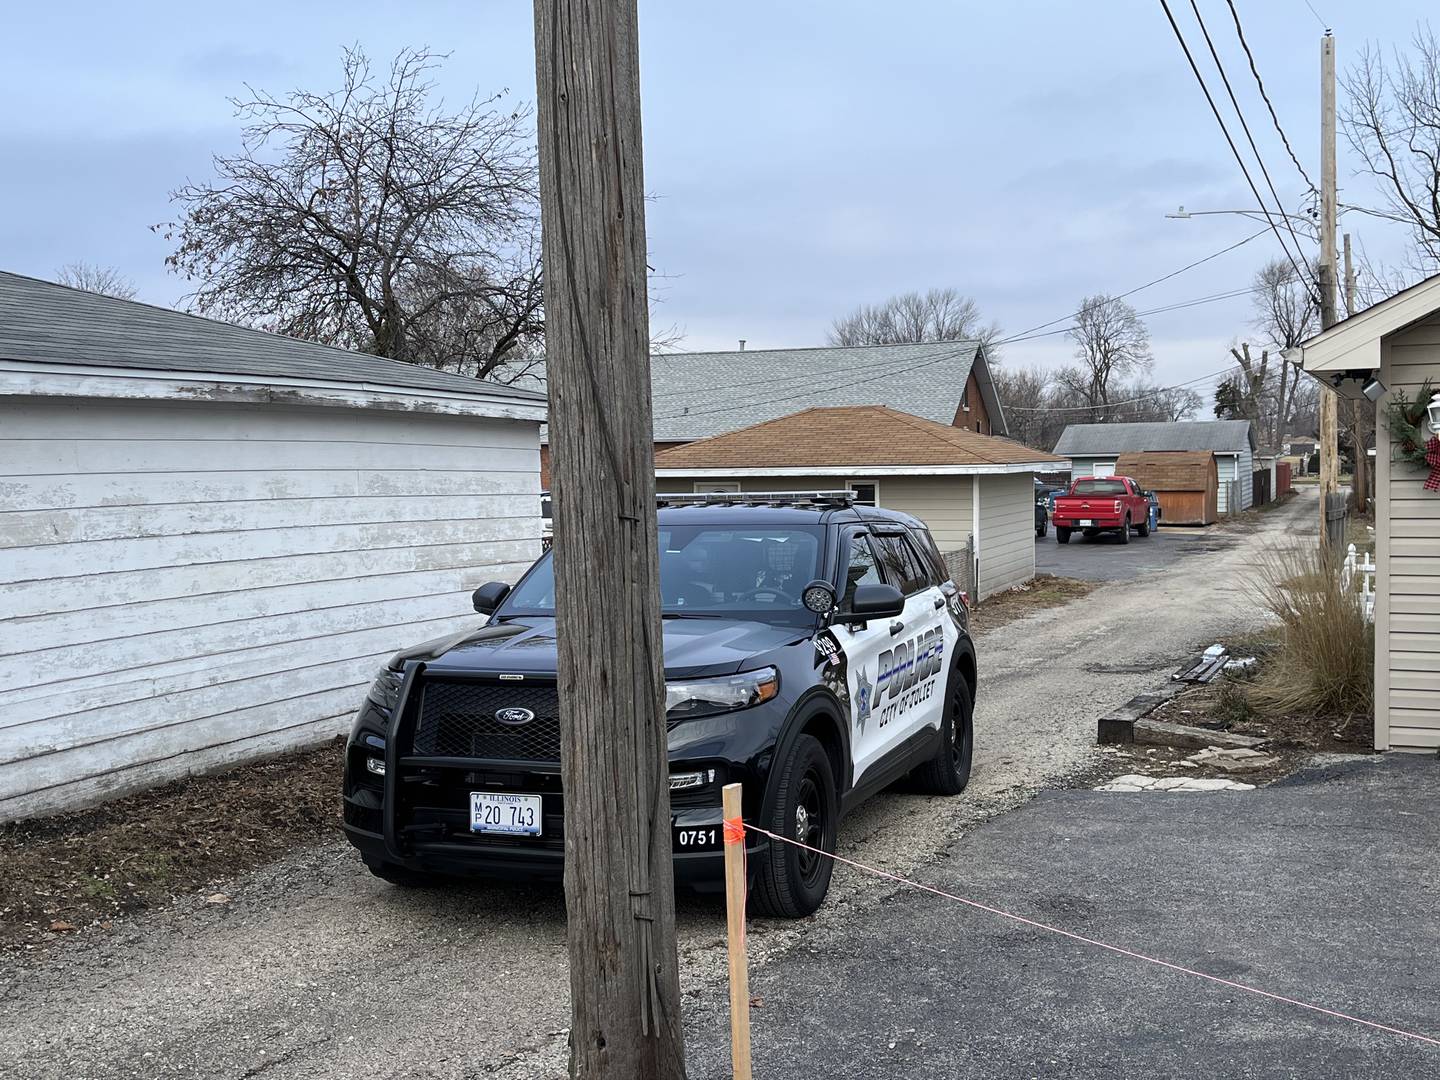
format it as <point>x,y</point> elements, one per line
<point>619,893</point>
<point>1360,482</point>
<point>1329,426</point>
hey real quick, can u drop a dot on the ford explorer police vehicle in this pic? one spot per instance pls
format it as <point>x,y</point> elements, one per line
<point>815,651</point>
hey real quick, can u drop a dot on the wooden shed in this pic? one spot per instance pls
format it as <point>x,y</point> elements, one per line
<point>1185,481</point>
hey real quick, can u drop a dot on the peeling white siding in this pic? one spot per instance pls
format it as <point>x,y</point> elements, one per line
<point>184,585</point>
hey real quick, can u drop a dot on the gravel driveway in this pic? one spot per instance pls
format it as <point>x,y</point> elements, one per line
<point>316,970</point>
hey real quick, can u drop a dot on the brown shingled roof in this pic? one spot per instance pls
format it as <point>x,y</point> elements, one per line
<point>851,436</point>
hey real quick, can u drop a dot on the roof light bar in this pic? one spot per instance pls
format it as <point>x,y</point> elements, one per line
<point>841,497</point>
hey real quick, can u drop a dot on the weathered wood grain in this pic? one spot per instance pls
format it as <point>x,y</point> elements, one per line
<point>624,976</point>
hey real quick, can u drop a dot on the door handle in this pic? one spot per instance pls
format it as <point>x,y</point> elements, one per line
<point>939,602</point>
<point>896,627</point>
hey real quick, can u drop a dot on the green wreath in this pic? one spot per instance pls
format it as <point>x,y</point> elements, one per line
<point>1408,422</point>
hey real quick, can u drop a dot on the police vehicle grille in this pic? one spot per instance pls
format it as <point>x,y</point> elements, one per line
<point>457,719</point>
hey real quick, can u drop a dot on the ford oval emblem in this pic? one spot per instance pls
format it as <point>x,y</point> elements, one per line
<point>514,716</point>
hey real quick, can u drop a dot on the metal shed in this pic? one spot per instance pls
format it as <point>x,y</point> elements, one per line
<point>1185,481</point>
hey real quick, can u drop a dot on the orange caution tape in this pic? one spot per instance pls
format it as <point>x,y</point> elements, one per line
<point>734,830</point>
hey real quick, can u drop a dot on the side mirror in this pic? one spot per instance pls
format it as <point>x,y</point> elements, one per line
<point>876,602</point>
<point>489,596</point>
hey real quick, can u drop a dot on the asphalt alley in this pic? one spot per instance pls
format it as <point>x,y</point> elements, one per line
<point>1322,888</point>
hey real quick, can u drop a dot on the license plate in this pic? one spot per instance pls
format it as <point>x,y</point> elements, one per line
<point>1087,521</point>
<point>505,813</point>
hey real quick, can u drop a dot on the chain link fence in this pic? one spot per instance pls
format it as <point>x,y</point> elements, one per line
<point>960,565</point>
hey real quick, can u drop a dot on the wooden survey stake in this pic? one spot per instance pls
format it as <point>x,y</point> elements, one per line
<point>735,888</point>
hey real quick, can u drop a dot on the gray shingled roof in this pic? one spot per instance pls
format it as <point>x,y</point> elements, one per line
<point>697,395</point>
<point>47,323</point>
<point>1220,436</point>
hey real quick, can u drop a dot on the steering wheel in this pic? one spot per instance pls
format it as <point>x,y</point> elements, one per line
<point>770,589</point>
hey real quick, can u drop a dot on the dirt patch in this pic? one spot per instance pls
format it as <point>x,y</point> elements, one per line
<point>1041,591</point>
<point>60,873</point>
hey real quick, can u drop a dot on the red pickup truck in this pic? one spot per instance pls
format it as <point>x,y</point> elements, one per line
<point>1097,504</point>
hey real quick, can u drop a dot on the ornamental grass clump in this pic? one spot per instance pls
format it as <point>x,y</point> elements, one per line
<point>1325,665</point>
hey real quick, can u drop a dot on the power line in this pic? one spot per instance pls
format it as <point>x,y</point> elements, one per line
<point>1323,24</point>
<point>1116,404</point>
<point>891,370</point>
<point>1021,336</point>
<point>1234,14</point>
<point>1226,132</point>
<point>1245,126</point>
<point>1152,311</point>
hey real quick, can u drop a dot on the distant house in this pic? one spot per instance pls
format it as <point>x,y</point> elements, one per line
<point>1397,341</point>
<point>1094,449</point>
<point>961,483</point>
<point>697,395</point>
<point>213,536</point>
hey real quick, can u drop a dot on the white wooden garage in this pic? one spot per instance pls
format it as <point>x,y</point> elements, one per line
<point>212,536</point>
<point>964,485</point>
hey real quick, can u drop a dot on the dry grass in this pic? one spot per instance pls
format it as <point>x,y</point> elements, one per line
<point>1324,666</point>
<point>1041,591</point>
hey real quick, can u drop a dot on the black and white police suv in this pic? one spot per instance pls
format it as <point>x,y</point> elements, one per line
<point>815,651</point>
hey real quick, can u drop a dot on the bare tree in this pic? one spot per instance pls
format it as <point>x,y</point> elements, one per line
<point>373,219</point>
<point>1392,121</point>
<point>105,280</point>
<point>1111,342</point>
<point>1023,394</point>
<point>1266,388</point>
<point>935,315</point>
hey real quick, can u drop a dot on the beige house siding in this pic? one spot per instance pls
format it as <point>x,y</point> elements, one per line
<point>1007,532</point>
<point>1007,513</point>
<point>1407,660</point>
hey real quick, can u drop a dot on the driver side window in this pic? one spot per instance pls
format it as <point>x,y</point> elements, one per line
<point>861,569</point>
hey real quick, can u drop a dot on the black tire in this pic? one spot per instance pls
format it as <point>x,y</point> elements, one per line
<point>948,772</point>
<point>1062,534</point>
<point>403,876</point>
<point>791,882</point>
<point>1125,532</point>
<point>1040,532</point>
<point>1144,530</point>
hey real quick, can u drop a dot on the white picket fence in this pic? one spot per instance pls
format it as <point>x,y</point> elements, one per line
<point>1364,566</point>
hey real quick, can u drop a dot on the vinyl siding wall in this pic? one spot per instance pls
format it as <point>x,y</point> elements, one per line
<point>1007,514</point>
<point>1241,469</point>
<point>1407,605</point>
<point>187,585</point>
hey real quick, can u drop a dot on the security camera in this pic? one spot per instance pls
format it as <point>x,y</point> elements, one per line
<point>1373,389</point>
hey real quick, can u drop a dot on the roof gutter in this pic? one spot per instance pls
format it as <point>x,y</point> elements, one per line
<point>25,378</point>
<point>862,470</point>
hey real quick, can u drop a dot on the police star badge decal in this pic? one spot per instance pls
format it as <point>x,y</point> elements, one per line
<point>863,694</point>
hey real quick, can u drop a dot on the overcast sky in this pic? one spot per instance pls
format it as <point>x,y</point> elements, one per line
<point>805,157</point>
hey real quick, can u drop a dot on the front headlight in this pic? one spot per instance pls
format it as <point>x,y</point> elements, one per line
<point>704,697</point>
<point>385,690</point>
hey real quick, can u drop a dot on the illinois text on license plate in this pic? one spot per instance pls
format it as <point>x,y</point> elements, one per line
<point>502,812</point>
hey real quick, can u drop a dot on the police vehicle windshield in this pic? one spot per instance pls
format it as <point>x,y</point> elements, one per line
<point>710,571</point>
